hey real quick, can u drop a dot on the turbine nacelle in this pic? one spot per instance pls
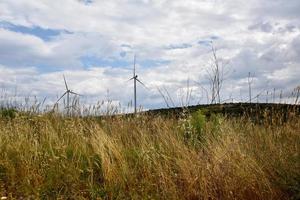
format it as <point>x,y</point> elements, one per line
<point>67,92</point>
<point>135,79</point>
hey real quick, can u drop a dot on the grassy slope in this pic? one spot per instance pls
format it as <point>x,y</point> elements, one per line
<point>148,157</point>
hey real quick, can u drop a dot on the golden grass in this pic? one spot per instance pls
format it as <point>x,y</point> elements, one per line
<point>147,157</point>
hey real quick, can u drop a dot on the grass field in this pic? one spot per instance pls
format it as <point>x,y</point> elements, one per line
<point>148,157</point>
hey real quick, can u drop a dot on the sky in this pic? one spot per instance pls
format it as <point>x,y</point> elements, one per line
<point>93,42</point>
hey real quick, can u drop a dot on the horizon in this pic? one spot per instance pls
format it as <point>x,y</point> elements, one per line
<point>93,44</point>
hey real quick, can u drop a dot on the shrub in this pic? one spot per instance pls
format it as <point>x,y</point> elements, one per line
<point>198,121</point>
<point>8,113</point>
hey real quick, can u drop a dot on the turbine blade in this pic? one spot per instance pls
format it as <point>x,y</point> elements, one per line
<point>66,83</point>
<point>142,84</point>
<point>75,93</point>
<point>130,79</point>
<point>134,60</point>
<point>61,97</point>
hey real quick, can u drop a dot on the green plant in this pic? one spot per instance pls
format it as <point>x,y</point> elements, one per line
<point>198,122</point>
<point>8,113</point>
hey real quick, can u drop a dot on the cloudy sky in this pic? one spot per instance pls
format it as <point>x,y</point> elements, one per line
<point>92,42</point>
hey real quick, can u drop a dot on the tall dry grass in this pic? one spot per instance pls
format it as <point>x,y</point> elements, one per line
<point>148,157</point>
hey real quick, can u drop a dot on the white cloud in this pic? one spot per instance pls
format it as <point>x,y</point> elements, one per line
<point>261,37</point>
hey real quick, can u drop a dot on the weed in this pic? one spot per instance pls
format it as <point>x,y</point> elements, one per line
<point>148,157</point>
<point>8,113</point>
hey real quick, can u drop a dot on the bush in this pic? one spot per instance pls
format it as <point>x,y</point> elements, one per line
<point>198,127</point>
<point>198,122</point>
<point>8,113</point>
<point>215,124</point>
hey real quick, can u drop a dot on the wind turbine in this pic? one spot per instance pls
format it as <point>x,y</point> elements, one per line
<point>67,92</point>
<point>135,79</point>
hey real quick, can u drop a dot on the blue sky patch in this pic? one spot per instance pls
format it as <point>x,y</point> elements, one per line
<point>44,34</point>
<point>179,46</point>
<point>86,2</point>
<point>214,37</point>
<point>207,41</point>
<point>204,42</point>
<point>92,61</point>
<point>123,54</point>
<point>126,46</point>
<point>153,63</point>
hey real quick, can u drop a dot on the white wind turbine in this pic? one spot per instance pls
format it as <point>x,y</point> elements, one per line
<point>67,93</point>
<point>135,79</point>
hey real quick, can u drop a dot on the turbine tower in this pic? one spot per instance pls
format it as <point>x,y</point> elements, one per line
<point>67,92</point>
<point>135,79</point>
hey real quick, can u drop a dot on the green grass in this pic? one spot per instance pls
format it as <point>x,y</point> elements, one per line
<point>148,157</point>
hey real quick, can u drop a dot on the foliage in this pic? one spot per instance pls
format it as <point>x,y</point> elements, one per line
<point>8,113</point>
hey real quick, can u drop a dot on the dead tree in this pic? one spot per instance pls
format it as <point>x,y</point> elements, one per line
<point>215,77</point>
<point>250,80</point>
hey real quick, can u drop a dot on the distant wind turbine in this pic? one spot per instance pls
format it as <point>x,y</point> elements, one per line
<point>67,92</point>
<point>135,79</point>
